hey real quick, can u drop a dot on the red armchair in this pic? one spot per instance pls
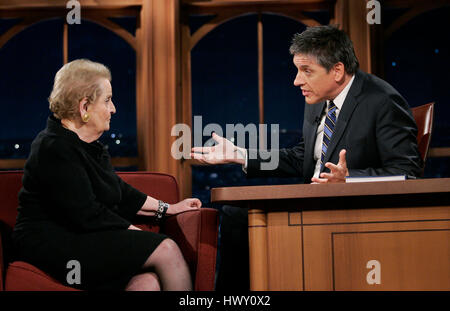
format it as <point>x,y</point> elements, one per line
<point>195,232</point>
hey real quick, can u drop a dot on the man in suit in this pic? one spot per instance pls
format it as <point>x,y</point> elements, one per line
<point>374,133</point>
<point>355,124</point>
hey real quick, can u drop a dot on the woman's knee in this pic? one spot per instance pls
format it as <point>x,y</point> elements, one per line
<point>166,252</point>
<point>169,246</point>
<point>147,281</point>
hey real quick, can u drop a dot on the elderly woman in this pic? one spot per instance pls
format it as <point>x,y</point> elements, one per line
<point>74,207</point>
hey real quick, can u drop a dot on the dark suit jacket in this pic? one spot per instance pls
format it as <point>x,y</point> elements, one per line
<point>375,126</point>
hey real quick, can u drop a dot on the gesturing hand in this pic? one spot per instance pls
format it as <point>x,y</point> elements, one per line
<point>224,152</point>
<point>185,205</point>
<point>337,172</point>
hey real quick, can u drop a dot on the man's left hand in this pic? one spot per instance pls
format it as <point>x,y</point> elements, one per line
<point>337,172</point>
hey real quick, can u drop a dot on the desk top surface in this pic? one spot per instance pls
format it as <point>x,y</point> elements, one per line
<point>300,191</point>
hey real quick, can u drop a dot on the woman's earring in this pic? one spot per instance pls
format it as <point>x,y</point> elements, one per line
<point>85,117</point>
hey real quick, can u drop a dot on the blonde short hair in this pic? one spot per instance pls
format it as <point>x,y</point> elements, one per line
<point>74,81</point>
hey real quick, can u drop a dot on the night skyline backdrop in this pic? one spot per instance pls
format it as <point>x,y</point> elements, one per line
<point>224,81</point>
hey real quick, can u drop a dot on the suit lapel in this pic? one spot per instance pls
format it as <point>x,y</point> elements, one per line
<point>348,107</point>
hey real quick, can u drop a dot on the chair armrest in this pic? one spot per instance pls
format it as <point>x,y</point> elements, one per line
<point>196,233</point>
<point>2,267</point>
<point>22,276</point>
<point>5,251</point>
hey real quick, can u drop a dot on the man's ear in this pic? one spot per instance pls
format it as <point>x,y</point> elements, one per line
<point>339,71</point>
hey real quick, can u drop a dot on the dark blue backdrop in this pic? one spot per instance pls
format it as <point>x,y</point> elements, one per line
<point>224,81</point>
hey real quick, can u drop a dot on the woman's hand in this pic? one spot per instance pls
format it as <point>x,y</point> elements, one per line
<point>185,205</point>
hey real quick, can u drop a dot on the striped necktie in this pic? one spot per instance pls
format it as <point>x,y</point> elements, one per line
<point>328,130</point>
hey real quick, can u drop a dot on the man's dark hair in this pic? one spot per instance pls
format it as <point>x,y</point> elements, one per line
<point>328,44</point>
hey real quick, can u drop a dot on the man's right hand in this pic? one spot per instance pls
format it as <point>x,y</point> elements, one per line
<point>222,153</point>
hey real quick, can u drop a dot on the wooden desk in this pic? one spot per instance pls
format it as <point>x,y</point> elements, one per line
<point>326,237</point>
